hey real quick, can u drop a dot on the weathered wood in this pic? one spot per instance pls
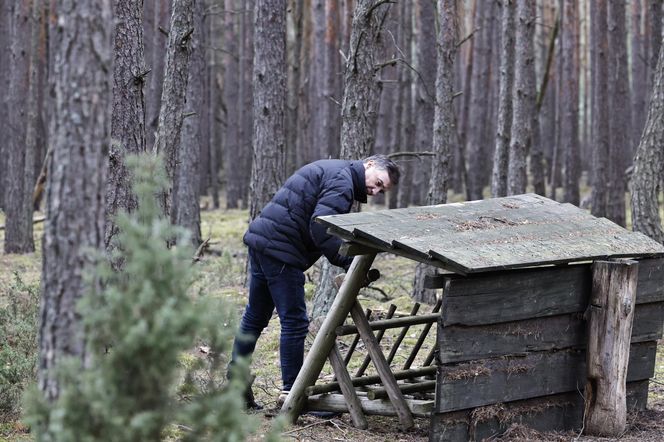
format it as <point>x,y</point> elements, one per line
<point>458,343</point>
<point>650,285</point>
<point>418,387</point>
<point>610,312</point>
<point>354,249</point>
<point>402,335</point>
<point>492,381</point>
<point>384,324</point>
<point>325,338</point>
<point>356,339</point>
<point>561,412</point>
<point>413,373</point>
<point>378,359</point>
<point>346,385</point>
<point>500,233</point>
<point>365,363</point>
<point>423,335</point>
<point>337,403</point>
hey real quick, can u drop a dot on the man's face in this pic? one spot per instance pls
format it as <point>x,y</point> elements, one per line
<point>377,180</point>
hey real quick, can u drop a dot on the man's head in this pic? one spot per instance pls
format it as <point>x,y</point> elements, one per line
<point>380,174</point>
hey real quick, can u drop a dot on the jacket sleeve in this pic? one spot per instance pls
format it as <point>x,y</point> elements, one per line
<point>334,199</point>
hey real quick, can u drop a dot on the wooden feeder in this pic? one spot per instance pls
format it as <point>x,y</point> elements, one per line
<point>547,315</point>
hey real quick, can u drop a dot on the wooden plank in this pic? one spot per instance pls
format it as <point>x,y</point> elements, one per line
<point>459,343</point>
<point>337,403</point>
<point>610,316</point>
<point>470,385</point>
<point>346,385</point>
<point>561,412</point>
<point>383,370</point>
<point>413,373</point>
<point>325,338</point>
<point>531,293</point>
<point>416,387</point>
<point>496,234</point>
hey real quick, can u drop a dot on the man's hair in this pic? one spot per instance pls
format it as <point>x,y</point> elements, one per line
<point>384,163</point>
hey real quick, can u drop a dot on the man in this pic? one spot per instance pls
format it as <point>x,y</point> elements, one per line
<point>284,241</point>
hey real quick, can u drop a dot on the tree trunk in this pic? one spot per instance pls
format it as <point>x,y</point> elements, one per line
<point>600,114</point>
<point>405,99</point>
<point>293,89</point>
<point>18,233</point>
<point>167,142</point>
<point>503,134</point>
<point>128,117</point>
<point>639,72</point>
<point>523,98</point>
<point>425,40</point>
<point>443,125</point>
<point>319,121</point>
<point>268,168</point>
<point>6,23</point>
<point>158,42</point>
<point>231,97</point>
<point>569,118</point>
<point>77,178</point>
<point>646,178</point>
<point>479,97</point>
<point>619,111</point>
<point>186,187</point>
<point>246,107</point>
<point>216,70</point>
<point>360,105</point>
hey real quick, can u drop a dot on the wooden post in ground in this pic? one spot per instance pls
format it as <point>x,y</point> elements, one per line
<point>325,338</point>
<point>609,315</point>
<point>354,406</point>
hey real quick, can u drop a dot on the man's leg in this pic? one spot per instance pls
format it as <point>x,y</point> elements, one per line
<point>255,318</point>
<point>286,285</point>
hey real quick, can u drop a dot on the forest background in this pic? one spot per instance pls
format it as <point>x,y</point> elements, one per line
<point>472,98</point>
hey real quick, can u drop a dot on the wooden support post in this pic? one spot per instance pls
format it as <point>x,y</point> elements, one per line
<point>423,336</point>
<point>373,379</point>
<point>360,371</point>
<point>325,338</point>
<point>610,316</point>
<point>397,342</point>
<point>393,392</point>
<point>419,387</point>
<point>356,339</point>
<point>354,407</point>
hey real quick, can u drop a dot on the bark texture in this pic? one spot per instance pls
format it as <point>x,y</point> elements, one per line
<point>186,189</point>
<point>503,134</point>
<point>569,127</point>
<point>523,98</point>
<point>647,175</point>
<point>269,157</point>
<point>176,75</point>
<point>128,117</point>
<point>77,178</point>
<point>444,127</point>
<point>620,148</point>
<point>600,114</point>
<point>18,232</point>
<point>231,97</point>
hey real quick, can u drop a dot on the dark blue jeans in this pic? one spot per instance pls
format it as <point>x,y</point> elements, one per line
<point>274,284</point>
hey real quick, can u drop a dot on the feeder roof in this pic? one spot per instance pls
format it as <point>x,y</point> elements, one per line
<point>494,234</point>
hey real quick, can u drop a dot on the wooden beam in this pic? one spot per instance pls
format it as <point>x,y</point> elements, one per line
<point>360,371</point>
<point>354,249</point>
<point>384,371</point>
<point>423,336</point>
<point>354,406</point>
<point>325,338</point>
<point>336,402</point>
<point>370,380</point>
<point>610,317</point>
<point>402,335</point>
<point>418,387</point>
<point>356,339</point>
<point>384,324</point>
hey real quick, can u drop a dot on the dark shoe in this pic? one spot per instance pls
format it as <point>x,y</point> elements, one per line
<point>249,401</point>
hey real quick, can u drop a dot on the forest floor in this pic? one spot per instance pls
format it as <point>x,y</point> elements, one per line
<point>221,276</point>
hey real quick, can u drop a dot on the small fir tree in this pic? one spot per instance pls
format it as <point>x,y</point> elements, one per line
<point>137,328</point>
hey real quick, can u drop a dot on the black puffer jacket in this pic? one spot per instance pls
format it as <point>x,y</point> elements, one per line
<point>286,230</point>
